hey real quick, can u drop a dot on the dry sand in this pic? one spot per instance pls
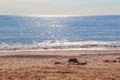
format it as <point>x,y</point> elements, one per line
<point>40,65</point>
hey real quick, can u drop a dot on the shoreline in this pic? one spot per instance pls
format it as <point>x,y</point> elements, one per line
<point>61,52</point>
<point>54,50</point>
<point>48,46</point>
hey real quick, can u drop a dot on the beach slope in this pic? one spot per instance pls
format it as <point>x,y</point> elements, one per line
<point>56,65</point>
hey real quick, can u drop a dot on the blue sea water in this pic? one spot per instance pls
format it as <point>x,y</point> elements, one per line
<point>68,32</point>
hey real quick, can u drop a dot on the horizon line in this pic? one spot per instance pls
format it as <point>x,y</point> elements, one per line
<point>34,15</point>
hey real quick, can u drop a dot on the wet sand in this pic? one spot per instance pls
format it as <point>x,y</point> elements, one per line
<point>55,65</point>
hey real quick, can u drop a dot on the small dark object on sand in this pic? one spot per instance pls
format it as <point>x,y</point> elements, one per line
<point>73,61</point>
<point>83,63</point>
<point>119,61</point>
<point>118,58</point>
<point>106,60</point>
<point>57,62</point>
<point>113,61</point>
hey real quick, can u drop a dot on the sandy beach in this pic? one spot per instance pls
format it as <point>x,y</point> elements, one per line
<point>60,65</point>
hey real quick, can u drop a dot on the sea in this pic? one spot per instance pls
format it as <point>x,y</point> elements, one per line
<point>25,33</point>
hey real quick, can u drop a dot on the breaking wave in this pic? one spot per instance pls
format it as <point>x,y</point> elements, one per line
<point>90,45</point>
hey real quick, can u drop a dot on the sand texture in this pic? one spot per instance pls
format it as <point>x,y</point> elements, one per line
<point>60,65</point>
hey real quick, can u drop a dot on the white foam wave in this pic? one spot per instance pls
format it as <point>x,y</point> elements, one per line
<point>48,45</point>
